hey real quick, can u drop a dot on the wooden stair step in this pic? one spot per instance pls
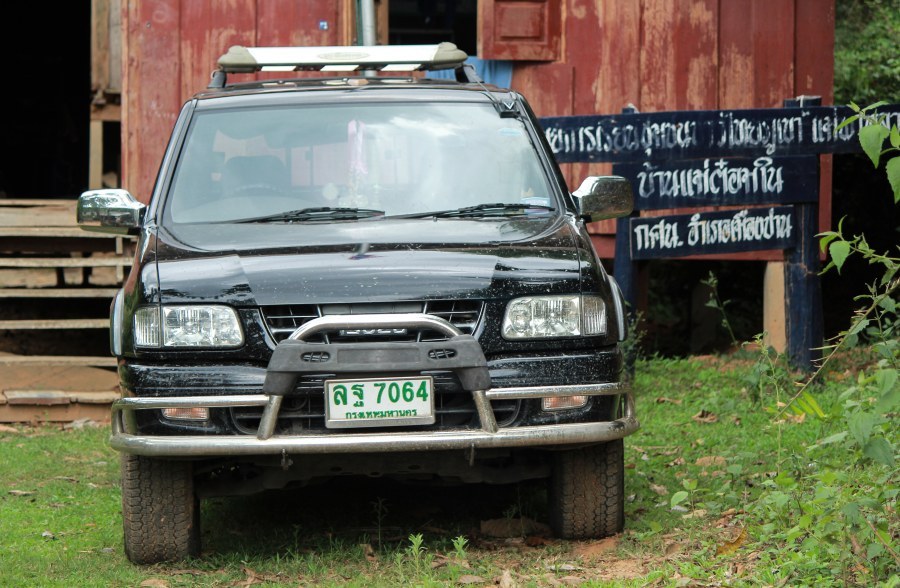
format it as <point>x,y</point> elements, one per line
<point>32,262</point>
<point>71,231</point>
<point>57,360</point>
<point>52,397</point>
<point>58,292</point>
<point>28,324</point>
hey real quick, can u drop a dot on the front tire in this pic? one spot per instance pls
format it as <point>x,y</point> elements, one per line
<point>587,491</point>
<point>160,512</point>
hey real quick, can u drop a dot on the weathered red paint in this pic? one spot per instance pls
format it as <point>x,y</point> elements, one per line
<point>520,29</point>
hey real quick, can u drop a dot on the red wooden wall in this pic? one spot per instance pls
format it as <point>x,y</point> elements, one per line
<point>170,47</point>
<point>595,57</point>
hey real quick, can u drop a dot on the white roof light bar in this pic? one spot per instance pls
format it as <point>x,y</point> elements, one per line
<point>382,57</point>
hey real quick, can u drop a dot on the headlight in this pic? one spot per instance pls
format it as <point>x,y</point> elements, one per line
<point>554,316</point>
<point>187,326</point>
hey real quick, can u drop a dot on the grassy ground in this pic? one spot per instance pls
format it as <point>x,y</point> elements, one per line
<point>699,510</point>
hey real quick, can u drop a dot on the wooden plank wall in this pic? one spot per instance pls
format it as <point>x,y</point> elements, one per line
<point>171,47</point>
<point>654,54</point>
<point>683,55</point>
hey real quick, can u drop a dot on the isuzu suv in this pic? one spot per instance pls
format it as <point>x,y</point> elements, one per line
<point>362,275</point>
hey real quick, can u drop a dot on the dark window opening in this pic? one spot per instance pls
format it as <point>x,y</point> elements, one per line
<point>415,22</point>
<point>46,102</point>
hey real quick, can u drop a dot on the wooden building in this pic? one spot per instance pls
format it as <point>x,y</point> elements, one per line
<point>568,57</point>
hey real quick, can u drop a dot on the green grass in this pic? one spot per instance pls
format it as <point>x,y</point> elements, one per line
<point>702,434</point>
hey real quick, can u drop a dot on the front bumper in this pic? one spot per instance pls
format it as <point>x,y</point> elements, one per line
<point>280,378</point>
<point>126,439</point>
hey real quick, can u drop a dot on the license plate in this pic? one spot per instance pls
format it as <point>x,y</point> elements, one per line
<point>379,402</point>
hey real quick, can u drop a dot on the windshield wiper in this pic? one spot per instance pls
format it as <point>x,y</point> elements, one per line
<point>491,209</point>
<point>314,214</point>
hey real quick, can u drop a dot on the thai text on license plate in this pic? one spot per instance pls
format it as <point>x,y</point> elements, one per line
<point>379,402</point>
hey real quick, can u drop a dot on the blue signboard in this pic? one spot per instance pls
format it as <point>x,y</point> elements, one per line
<point>658,136</point>
<point>722,181</point>
<point>725,231</point>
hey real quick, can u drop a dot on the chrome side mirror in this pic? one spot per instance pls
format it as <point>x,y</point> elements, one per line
<point>110,211</point>
<point>603,197</point>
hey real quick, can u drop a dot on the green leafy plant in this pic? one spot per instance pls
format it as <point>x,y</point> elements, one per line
<point>872,137</point>
<point>845,502</point>
<point>715,301</point>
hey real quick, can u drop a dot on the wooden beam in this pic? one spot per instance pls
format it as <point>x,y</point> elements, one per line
<point>106,112</point>
<point>95,157</point>
<point>100,44</point>
<point>773,307</point>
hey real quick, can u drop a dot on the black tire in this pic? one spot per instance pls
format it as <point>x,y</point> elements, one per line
<point>160,512</point>
<point>587,491</point>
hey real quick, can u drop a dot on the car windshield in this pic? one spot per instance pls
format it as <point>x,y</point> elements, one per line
<point>254,164</point>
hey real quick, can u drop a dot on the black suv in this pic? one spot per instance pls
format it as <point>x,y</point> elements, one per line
<point>350,275</point>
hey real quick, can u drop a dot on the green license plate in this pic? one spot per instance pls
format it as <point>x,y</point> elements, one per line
<point>379,402</point>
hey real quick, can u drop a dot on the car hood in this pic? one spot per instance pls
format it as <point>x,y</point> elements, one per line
<point>366,261</point>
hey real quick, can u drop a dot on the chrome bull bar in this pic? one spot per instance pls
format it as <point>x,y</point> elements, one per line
<point>125,435</point>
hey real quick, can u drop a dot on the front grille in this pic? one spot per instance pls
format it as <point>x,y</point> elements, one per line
<point>304,410</point>
<point>282,320</point>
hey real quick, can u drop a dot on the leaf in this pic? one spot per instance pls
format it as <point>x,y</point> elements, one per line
<point>826,238</point>
<point>813,405</point>
<point>871,138</point>
<point>710,461</point>
<point>889,400</point>
<point>848,120</point>
<point>836,438</point>
<point>470,579</point>
<point>730,547</point>
<point>874,550</point>
<point>704,416</point>
<point>839,251</point>
<point>858,327</point>
<point>895,137</point>
<point>876,105</point>
<point>893,175</point>
<point>678,498</point>
<point>861,425</point>
<point>661,490</point>
<point>886,380</point>
<point>878,449</point>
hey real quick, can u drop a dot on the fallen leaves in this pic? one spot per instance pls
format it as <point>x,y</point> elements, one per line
<point>730,547</point>
<point>705,417</point>
<point>659,489</point>
<point>513,527</point>
<point>369,552</point>
<point>709,461</point>
<point>594,549</point>
<point>466,579</point>
<point>20,493</point>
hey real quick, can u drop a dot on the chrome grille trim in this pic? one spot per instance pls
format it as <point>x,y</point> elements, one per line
<point>282,320</point>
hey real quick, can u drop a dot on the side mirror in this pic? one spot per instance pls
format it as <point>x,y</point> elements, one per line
<point>110,211</point>
<point>603,197</point>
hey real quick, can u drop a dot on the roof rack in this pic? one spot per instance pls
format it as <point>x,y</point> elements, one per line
<point>240,59</point>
